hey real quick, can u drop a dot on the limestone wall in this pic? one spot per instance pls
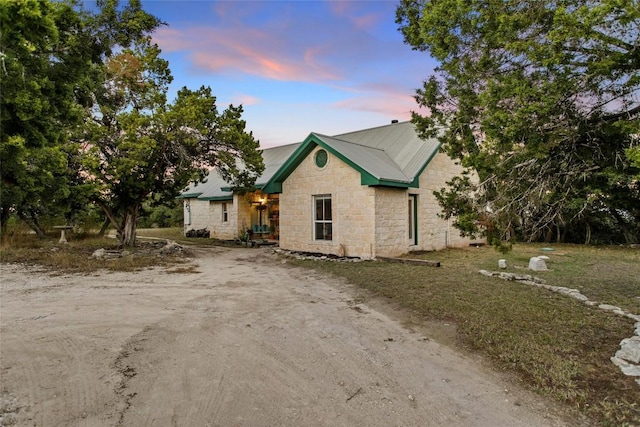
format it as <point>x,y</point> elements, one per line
<point>391,221</point>
<point>353,209</point>
<point>196,214</point>
<point>208,214</point>
<point>434,232</point>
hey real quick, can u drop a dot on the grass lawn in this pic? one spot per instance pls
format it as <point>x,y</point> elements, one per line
<point>556,345</point>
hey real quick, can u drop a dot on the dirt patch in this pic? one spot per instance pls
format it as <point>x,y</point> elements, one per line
<point>240,339</point>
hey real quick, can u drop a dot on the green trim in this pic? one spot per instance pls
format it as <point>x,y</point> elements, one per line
<point>415,218</point>
<point>321,158</point>
<point>308,145</point>
<point>188,195</point>
<point>416,181</point>
<point>229,188</point>
<point>217,198</point>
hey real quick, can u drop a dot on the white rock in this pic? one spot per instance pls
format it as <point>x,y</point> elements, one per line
<point>626,367</point>
<point>608,307</point>
<point>630,350</point>
<point>544,257</point>
<point>99,253</point>
<point>502,263</point>
<point>537,264</point>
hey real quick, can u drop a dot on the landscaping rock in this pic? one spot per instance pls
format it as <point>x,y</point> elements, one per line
<point>630,350</point>
<point>99,253</point>
<point>537,264</point>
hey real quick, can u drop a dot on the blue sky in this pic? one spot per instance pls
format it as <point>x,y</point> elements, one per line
<point>296,66</point>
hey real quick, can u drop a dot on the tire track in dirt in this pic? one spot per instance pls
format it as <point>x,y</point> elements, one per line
<point>245,341</point>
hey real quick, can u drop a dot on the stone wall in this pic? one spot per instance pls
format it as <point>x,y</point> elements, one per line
<point>208,214</point>
<point>392,222</point>
<point>434,232</point>
<point>199,214</point>
<point>367,221</point>
<point>353,209</point>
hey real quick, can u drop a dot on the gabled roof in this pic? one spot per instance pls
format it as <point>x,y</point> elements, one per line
<point>216,188</point>
<point>391,155</point>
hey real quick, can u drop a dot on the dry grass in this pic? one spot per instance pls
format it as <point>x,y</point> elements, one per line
<point>75,256</point>
<point>556,345</point>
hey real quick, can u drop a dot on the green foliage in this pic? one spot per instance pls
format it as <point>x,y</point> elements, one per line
<point>85,117</point>
<point>540,99</point>
<point>140,146</point>
<point>51,57</point>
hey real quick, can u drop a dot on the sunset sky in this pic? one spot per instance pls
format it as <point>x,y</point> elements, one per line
<point>296,66</point>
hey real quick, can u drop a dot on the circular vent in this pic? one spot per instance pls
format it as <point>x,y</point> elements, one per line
<point>321,158</point>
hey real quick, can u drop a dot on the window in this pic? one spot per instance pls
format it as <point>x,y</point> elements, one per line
<point>322,217</point>
<point>413,216</point>
<point>321,158</point>
<point>225,212</point>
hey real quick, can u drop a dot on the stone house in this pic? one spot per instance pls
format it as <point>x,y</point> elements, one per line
<point>364,194</point>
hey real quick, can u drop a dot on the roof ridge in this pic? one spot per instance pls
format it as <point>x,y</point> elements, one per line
<point>375,127</point>
<point>354,143</point>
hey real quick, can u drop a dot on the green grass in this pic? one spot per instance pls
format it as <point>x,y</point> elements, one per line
<point>556,345</point>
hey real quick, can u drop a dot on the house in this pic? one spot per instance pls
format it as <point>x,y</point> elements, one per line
<point>365,194</point>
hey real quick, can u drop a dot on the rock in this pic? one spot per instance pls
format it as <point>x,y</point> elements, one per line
<point>626,367</point>
<point>502,263</point>
<point>99,253</point>
<point>608,307</point>
<point>630,350</point>
<point>537,264</point>
<point>543,257</point>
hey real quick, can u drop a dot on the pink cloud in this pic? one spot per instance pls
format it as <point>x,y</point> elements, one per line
<point>250,51</point>
<point>398,107</point>
<point>245,100</point>
<point>348,10</point>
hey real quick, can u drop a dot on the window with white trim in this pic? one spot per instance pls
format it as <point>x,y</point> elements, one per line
<point>322,218</point>
<point>225,212</point>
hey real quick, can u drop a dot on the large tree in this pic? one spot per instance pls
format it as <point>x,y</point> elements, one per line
<point>541,99</point>
<point>51,54</point>
<point>139,146</point>
<point>84,116</point>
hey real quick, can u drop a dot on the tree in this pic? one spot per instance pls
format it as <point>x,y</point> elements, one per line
<point>138,146</point>
<point>50,54</point>
<point>540,98</point>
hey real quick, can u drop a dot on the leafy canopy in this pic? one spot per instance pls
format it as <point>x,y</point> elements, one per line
<point>540,98</point>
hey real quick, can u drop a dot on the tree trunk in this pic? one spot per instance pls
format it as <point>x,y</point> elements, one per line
<point>629,236</point>
<point>4,222</point>
<point>33,224</point>
<point>127,235</point>
<point>104,227</point>
<point>587,238</point>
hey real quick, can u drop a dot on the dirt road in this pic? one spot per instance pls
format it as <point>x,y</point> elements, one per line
<point>246,341</point>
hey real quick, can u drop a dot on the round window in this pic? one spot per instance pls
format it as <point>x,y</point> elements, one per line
<point>321,158</point>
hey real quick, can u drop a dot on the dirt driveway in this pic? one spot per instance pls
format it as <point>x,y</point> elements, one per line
<point>246,341</point>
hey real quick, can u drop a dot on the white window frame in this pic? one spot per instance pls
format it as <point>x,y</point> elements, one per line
<point>326,218</point>
<point>225,212</point>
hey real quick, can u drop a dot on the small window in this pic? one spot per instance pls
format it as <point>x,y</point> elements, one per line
<point>321,158</point>
<point>225,212</point>
<point>322,220</point>
<point>413,219</point>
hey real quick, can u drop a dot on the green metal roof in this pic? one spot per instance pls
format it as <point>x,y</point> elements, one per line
<point>391,155</point>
